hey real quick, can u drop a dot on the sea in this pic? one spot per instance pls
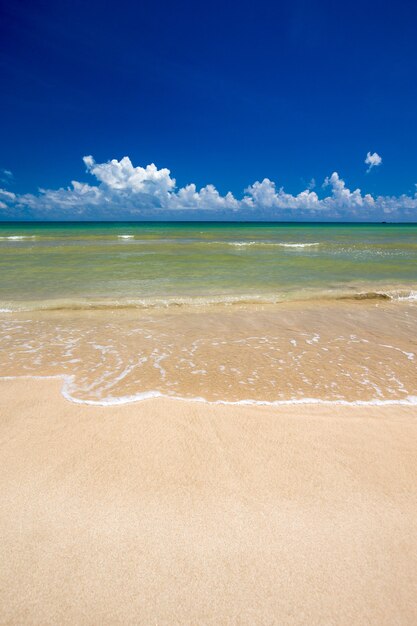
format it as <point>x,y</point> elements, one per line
<point>212,311</point>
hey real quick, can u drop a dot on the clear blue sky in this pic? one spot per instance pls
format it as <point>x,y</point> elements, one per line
<point>221,93</point>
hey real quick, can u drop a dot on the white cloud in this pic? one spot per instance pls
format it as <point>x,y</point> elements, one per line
<point>7,202</point>
<point>7,195</point>
<point>123,191</point>
<point>264,195</point>
<point>6,176</point>
<point>344,198</point>
<point>373,160</point>
<point>121,175</point>
<point>208,198</point>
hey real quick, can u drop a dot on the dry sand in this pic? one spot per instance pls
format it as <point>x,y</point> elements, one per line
<point>167,512</point>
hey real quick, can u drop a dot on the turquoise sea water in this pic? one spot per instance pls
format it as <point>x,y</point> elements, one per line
<point>106,264</point>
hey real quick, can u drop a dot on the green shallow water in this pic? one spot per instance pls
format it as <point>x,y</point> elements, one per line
<point>140,263</point>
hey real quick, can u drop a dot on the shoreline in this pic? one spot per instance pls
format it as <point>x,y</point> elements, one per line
<point>362,353</point>
<point>176,512</point>
<point>344,294</point>
<point>409,401</point>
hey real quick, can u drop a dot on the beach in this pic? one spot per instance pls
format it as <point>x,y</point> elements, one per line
<point>343,351</point>
<point>208,424</point>
<point>174,512</point>
<point>208,314</point>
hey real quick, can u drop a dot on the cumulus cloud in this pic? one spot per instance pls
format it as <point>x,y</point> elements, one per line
<point>122,175</point>
<point>208,199</point>
<point>373,160</point>
<point>124,191</point>
<point>265,195</point>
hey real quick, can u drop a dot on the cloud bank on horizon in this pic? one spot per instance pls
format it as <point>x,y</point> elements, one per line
<point>125,191</point>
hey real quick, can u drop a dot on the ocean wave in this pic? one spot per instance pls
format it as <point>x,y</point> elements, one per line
<point>366,295</point>
<point>298,245</point>
<point>410,297</point>
<point>237,244</point>
<point>148,303</point>
<point>271,244</point>
<point>17,237</point>
<point>243,299</point>
<point>68,393</point>
<point>389,294</point>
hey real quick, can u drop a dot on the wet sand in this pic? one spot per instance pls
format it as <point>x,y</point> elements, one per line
<point>171,512</point>
<point>339,351</point>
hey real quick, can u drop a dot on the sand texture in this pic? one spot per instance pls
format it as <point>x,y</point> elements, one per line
<point>168,512</point>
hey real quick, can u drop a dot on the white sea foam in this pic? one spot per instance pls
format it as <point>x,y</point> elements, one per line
<point>125,236</point>
<point>297,245</point>
<point>410,355</point>
<point>410,297</point>
<point>281,244</point>
<point>240,244</point>
<point>68,381</point>
<point>314,338</point>
<point>17,237</point>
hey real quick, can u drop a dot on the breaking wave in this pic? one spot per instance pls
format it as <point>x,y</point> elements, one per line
<point>271,244</point>
<point>17,237</point>
<point>319,295</point>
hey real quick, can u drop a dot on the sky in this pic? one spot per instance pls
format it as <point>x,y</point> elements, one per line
<point>240,110</point>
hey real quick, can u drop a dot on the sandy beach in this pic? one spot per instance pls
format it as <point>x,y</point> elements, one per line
<point>173,512</point>
<point>208,314</point>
